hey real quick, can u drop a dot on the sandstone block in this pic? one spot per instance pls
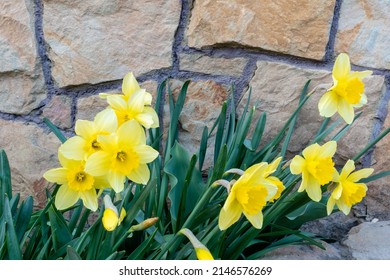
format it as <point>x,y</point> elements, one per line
<point>59,111</point>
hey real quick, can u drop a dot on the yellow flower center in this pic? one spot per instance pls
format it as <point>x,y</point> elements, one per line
<point>352,193</point>
<point>80,181</point>
<point>321,168</point>
<point>126,161</point>
<point>251,198</point>
<point>95,145</point>
<point>351,90</point>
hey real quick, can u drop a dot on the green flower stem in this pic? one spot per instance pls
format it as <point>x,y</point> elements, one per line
<point>370,145</point>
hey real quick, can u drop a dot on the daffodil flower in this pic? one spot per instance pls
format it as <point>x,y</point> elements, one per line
<point>316,167</point>
<point>111,218</point>
<point>202,253</point>
<point>346,93</point>
<point>248,195</point>
<point>134,103</point>
<point>75,183</point>
<point>124,154</point>
<point>348,191</point>
<point>85,143</point>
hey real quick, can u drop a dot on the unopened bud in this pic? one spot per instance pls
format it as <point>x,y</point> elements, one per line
<point>144,225</point>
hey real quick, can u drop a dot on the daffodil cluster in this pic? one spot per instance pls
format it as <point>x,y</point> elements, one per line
<point>107,151</point>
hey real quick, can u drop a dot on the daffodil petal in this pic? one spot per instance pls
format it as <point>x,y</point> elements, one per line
<point>74,148</point>
<point>106,121</point>
<point>342,66</point>
<point>151,112</point>
<point>131,133</point>
<point>56,175</point>
<point>85,129</point>
<point>136,102</point>
<point>297,164</point>
<point>145,120</point>
<point>327,105</point>
<point>147,98</point>
<point>313,189</point>
<point>347,169</point>
<point>141,175</point>
<point>360,174</point>
<point>303,185</point>
<point>129,84</point>
<point>116,180</point>
<point>330,205</point>
<point>328,149</point>
<point>146,153</point>
<point>310,150</point>
<point>360,74</point>
<point>90,199</point>
<point>117,102</point>
<point>346,111</point>
<point>256,220</point>
<point>338,191</point>
<point>203,254</point>
<point>271,168</point>
<point>229,216</point>
<point>65,197</point>
<point>343,207</point>
<point>98,164</point>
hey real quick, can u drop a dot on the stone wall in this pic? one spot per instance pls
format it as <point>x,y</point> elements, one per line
<point>56,56</point>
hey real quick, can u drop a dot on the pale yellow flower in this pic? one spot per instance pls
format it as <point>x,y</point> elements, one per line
<point>316,167</point>
<point>346,93</point>
<point>124,154</point>
<point>202,253</point>
<point>348,191</point>
<point>248,195</point>
<point>75,183</point>
<point>111,218</point>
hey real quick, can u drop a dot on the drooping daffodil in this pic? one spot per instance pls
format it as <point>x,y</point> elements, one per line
<point>348,191</point>
<point>124,155</point>
<point>202,253</point>
<point>111,217</point>
<point>317,168</point>
<point>76,183</point>
<point>347,91</point>
<point>248,195</point>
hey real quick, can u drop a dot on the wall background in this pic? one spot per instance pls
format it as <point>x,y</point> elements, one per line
<point>57,56</point>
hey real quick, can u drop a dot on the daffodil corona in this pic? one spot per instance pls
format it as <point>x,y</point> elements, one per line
<point>316,167</point>
<point>346,93</point>
<point>111,218</point>
<point>348,191</point>
<point>202,253</point>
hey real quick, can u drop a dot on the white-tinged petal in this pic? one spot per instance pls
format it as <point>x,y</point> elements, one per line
<point>147,98</point>
<point>343,207</point>
<point>145,120</point>
<point>256,220</point>
<point>74,148</point>
<point>106,121</point>
<point>327,105</point>
<point>140,175</point>
<point>346,111</point>
<point>129,84</point>
<point>85,129</point>
<point>136,102</point>
<point>98,164</point>
<point>116,180</point>
<point>90,199</point>
<point>338,191</point>
<point>361,74</point>
<point>360,174</point>
<point>66,197</point>
<point>146,153</point>
<point>330,205</point>
<point>303,185</point>
<point>342,66</point>
<point>297,164</point>
<point>56,175</point>
<point>117,102</point>
<point>363,101</point>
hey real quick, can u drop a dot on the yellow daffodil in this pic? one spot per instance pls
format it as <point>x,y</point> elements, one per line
<point>85,143</point>
<point>346,93</point>
<point>316,167</point>
<point>271,168</point>
<point>202,253</point>
<point>124,154</point>
<point>111,218</point>
<point>248,195</point>
<point>134,103</point>
<point>347,191</point>
<point>75,183</point>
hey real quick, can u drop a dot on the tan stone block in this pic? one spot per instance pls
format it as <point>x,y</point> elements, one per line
<point>299,28</point>
<point>96,41</point>
<point>31,152</point>
<point>59,111</point>
<point>212,65</point>
<point>363,32</point>
<point>21,79</point>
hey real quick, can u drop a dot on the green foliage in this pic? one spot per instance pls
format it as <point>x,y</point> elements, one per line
<point>177,194</point>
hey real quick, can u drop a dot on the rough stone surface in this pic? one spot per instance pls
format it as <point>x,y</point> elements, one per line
<point>302,29</point>
<point>304,252</point>
<point>201,108</point>
<point>21,79</point>
<point>212,65</point>
<point>59,111</point>
<point>31,152</point>
<point>277,87</point>
<point>363,32</point>
<point>88,107</point>
<point>369,241</point>
<point>378,195</point>
<point>96,41</point>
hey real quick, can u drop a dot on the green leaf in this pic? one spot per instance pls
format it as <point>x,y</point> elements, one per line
<point>71,254</point>
<point>141,250</point>
<point>60,231</point>
<point>13,247</point>
<point>55,130</point>
<point>23,217</point>
<point>203,147</point>
<point>5,179</point>
<point>177,168</point>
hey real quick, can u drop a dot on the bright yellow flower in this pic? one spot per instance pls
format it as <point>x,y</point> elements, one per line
<point>271,168</point>
<point>202,253</point>
<point>124,154</point>
<point>346,93</point>
<point>248,195</point>
<point>111,218</point>
<point>347,191</point>
<point>75,183</point>
<point>134,103</point>
<point>317,168</point>
<point>80,147</point>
